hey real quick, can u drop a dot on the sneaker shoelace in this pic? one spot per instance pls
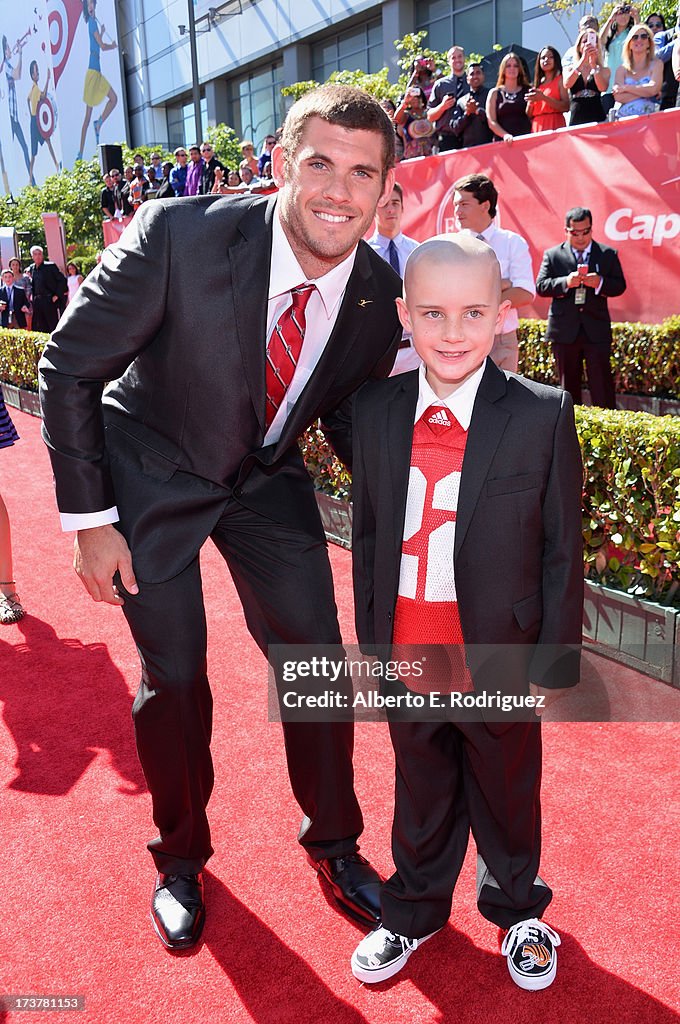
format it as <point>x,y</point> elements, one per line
<point>527,931</point>
<point>375,943</point>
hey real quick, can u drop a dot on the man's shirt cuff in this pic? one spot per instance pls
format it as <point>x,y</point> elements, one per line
<point>88,520</point>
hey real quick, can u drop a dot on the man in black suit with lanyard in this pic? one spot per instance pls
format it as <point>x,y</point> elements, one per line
<point>196,437</point>
<point>579,276</point>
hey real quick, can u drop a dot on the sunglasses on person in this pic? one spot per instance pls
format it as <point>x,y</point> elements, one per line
<point>579,234</point>
<point>206,149</point>
<point>641,35</point>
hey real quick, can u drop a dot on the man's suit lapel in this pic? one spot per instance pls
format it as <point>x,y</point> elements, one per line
<point>487,426</point>
<point>569,257</point>
<point>250,259</point>
<point>359,295</point>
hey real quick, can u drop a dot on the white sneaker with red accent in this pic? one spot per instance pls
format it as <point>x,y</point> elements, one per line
<point>531,951</point>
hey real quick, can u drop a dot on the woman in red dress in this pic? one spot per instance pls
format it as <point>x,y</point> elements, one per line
<point>547,100</point>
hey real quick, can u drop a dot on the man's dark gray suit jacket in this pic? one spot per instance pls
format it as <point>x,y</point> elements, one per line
<point>181,426</point>
<point>566,319</point>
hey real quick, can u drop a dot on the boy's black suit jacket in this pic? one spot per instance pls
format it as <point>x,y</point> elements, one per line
<point>181,426</point>
<point>518,557</point>
<point>566,319</point>
<point>19,301</point>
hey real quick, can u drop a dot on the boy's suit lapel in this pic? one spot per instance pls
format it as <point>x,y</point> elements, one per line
<point>398,439</point>
<point>488,424</point>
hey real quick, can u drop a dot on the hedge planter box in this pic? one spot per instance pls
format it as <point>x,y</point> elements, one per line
<point>336,516</point>
<point>26,401</point>
<point>638,633</point>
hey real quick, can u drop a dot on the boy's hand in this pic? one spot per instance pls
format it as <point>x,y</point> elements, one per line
<point>550,696</point>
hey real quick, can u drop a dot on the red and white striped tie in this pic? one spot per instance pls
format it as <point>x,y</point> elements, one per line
<point>283,350</point>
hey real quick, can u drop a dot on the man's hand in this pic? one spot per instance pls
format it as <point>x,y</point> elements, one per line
<point>550,696</point>
<point>591,280</point>
<point>574,279</point>
<point>98,554</point>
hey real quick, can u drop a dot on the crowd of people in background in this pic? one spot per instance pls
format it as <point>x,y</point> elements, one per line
<point>621,69</point>
<point>197,171</point>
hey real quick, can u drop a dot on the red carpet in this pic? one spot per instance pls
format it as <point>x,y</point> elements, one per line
<point>76,878</point>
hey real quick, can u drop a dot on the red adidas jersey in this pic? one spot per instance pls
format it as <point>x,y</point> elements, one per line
<point>427,608</point>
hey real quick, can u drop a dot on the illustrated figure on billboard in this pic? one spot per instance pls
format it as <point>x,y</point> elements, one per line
<point>96,87</point>
<point>13,75</point>
<point>40,131</point>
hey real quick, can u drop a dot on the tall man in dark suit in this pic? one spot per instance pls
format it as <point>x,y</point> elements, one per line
<point>49,290</point>
<point>579,276</point>
<point>13,302</point>
<point>196,438</point>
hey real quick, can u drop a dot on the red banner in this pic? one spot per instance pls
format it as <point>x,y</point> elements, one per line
<point>113,229</point>
<point>627,173</point>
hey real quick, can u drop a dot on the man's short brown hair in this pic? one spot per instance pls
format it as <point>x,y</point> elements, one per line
<point>342,105</point>
<point>481,187</point>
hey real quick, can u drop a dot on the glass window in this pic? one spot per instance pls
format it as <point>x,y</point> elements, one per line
<point>475,24</point>
<point>182,123</point>
<point>256,104</point>
<point>359,48</point>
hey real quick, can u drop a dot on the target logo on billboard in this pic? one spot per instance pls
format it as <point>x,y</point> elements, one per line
<point>62,18</point>
<point>622,225</point>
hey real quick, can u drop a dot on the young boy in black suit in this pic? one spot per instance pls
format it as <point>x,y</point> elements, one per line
<point>467,530</point>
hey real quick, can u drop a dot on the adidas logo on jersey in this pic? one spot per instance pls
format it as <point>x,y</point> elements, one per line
<point>440,419</point>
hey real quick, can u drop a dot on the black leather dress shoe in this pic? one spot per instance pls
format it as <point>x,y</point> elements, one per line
<point>178,910</point>
<point>354,882</point>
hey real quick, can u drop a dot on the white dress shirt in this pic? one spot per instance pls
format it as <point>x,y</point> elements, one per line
<point>515,260</point>
<point>460,403</point>
<point>322,310</point>
<point>403,243</point>
<point>406,358</point>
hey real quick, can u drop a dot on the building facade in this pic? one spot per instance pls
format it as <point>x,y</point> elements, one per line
<point>248,49</point>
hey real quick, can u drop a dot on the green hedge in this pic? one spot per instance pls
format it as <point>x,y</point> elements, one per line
<point>19,355</point>
<point>645,357</point>
<point>631,498</point>
<point>631,504</point>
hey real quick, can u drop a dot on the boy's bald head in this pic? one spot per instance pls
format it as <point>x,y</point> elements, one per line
<point>450,251</point>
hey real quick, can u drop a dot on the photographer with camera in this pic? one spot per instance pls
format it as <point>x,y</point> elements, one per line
<point>445,94</point>
<point>612,37</point>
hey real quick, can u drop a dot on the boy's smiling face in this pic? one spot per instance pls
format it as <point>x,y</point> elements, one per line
<point>452,308</point>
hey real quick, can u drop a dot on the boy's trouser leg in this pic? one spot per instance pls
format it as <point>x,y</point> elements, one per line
<point>430,830</point>
<point>502,781</point>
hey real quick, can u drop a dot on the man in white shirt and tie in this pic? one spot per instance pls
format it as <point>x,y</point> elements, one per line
<point>395,247</point>
<point>475,201</point>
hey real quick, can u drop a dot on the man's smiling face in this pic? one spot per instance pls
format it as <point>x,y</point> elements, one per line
<point>329,190</point>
